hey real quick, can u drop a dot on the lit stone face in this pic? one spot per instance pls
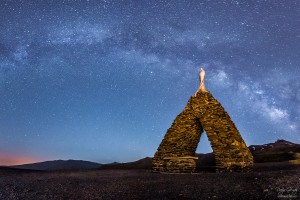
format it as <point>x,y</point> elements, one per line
<point>177,150</point>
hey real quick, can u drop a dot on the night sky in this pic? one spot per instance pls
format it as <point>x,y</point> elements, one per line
<point>103,80</point>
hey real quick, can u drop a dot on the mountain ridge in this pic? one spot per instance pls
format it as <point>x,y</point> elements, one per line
<point>59,165</point>
<point>278,151</point>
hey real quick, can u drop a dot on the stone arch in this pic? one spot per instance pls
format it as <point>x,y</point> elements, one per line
<point>176,153</point>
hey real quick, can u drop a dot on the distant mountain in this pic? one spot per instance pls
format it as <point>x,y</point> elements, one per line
<point>205,161</point>
<point>60,165</point>
<point>279,151</point>
<point>145,163</point>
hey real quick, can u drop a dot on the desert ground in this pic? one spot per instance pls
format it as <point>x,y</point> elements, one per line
<point>266,181</point>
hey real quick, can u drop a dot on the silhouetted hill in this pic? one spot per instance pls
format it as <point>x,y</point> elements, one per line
<point>279,151</point>
<point>145,163</point>
<point>205,161</point>
<point>60,165</point>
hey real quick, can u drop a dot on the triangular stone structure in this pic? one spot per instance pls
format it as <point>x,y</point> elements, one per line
<point>176,152</point>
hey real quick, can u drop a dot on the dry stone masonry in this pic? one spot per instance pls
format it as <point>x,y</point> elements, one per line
<point>176,152</point>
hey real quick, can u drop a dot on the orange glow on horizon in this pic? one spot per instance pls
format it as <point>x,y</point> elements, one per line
<point>7,159</point>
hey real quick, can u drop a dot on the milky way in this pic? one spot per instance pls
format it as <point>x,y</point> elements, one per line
<point>103,80</point>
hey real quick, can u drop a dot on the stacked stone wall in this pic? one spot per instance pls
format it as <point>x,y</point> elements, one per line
<point>181,140</point>
<point>203,111</point>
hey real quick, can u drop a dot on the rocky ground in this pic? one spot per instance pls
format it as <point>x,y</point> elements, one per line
<point>266,181</point>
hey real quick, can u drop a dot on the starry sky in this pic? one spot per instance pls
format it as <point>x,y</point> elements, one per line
<point>103,80</point>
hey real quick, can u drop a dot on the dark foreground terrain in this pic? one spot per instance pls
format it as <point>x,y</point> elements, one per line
<point>267,181</point>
